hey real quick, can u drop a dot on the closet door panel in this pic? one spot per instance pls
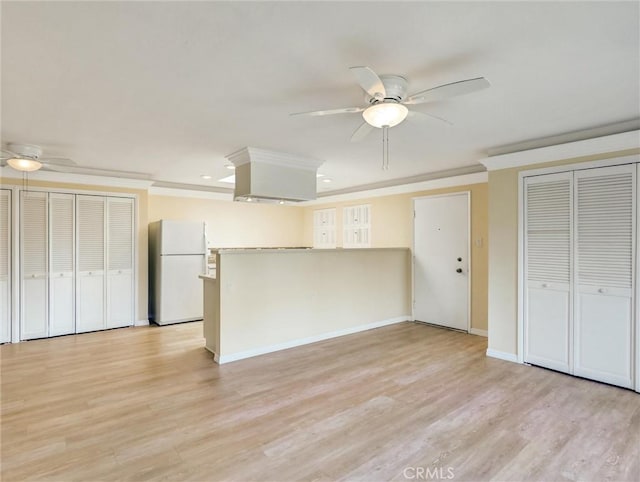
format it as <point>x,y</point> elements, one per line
<point>120,300</point>
<point>90,245</point>
<point>5,265</point>
<point>604,338</point>
<point>548,300</point>
<point>33,269</point>
<point>61,264</point>
<point>605,245</point>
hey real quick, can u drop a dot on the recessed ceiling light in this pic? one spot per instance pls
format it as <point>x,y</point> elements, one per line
<point>319,175</point>
<point>230,179</point>
<point>327,179</point>
<point>230,166</point>
<point>205,176</point>
<point>281,202</point>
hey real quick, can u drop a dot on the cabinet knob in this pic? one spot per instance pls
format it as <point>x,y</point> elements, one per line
<point>545,285</point>
<point>90,273</point>
<point>602,290</point>
<point>459,270</point>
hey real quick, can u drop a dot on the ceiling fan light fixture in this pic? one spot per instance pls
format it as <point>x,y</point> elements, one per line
<point>25,165</point>
<point>385,114</point>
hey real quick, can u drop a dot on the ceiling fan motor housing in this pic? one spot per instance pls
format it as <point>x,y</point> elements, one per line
<point>395,87</point>
<point>25,150</point>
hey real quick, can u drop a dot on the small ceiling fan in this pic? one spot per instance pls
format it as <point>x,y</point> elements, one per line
<point>28,158</point>
<point>386,98</point>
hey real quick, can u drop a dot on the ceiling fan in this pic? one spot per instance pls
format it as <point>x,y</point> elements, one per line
<point>28,158</point>
<point>387,100</point>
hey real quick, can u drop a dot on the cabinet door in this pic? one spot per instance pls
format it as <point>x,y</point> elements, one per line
<point>548,243</point>
<point>33,256</point>
<point>605,241</point>
<point>5,265</point>
<point>90,245</point>
<point>120,290</point>
<point>61,264</point>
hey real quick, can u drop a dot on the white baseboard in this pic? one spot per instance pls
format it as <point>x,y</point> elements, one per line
<point>305,341</point>
<point>141,323</point>
<point>511,357</point>
<point>478,332</point>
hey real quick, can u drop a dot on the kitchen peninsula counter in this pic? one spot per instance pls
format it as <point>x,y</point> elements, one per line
<point>264,300</point>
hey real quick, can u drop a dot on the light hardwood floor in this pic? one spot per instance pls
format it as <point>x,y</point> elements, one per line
<point>404,402</point>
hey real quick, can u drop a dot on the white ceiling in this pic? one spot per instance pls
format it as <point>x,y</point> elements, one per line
<point>170,88</point>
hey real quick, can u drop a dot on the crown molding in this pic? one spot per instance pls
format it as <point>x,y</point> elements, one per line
<point>263,156</point>
<point>440,183</point>
<point>569,150</point>
<point>73,178</point>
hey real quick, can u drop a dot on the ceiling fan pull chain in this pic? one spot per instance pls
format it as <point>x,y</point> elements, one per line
<point>385,148</point>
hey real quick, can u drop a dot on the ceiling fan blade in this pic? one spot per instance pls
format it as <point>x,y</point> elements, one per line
<point>57,161</point>
<point>448,90</point>
<point>361,132</point>
<point>413,114</point>
<point>69,168</point>
<point>344,110</point>
<point>6,154</point>
<point>369,81</point>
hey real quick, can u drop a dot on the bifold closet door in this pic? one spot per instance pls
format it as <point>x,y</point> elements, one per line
<point>120,288</point>
<point>5,265</point>
<point>90,246</point>
<point>604,246</point>
<point>61,264</point>
<point>33,270</point>
<point>548,300</point>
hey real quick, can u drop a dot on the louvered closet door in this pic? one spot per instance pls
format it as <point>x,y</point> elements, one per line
<point>61,264</point>
<point>605,227</point>
<point>5,265</point>
<point>90,245</point>
<point>120,262</point>
<point>548,301</point>
<point>33,269</point>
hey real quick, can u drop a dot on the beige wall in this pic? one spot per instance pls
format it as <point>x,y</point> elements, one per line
<point>143,282</point>
<point>234,224</point>
<point>392,226</point>
<point>503,251</point>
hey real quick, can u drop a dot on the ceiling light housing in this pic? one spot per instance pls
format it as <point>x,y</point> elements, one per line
<point>24,164</point>
<point>385,114</point>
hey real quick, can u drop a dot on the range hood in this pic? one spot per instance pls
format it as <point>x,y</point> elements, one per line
<point>271,176</point>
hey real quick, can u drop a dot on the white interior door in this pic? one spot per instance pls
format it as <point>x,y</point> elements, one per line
<point>604,246</point>
<point>548,243</point>
<point>61,264</point>
<point>33,269</point>
<point>90,245</point>
<point>5,265</point>
<point>120,300</point>
<point>441,260</point>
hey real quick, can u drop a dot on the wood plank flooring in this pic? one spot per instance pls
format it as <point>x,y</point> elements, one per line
<point>403,402</point>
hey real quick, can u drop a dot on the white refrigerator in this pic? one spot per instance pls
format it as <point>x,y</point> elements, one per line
<point>177,255</point>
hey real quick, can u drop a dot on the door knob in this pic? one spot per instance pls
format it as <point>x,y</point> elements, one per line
<point>459,270</point>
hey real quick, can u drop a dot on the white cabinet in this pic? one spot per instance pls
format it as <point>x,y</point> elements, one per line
<point>356,226</point>
<point>61,264</point>
<point>34,276</point>
<point>90,242</point>
<point>120,246</point>
<point>324,228</point>
<point>579,262</point>
<point>5,265</point>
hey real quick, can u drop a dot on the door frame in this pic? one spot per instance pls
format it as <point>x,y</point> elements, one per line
<point>467,194</point>
<point>520,314</point>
